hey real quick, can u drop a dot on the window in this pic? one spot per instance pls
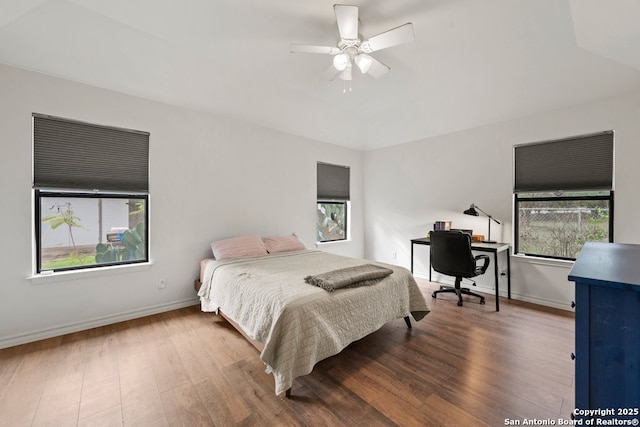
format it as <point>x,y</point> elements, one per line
<point>333,202</point>
<point>557,225</point>
<point>332,221</point>
<point>91,195</point>
<point>563,195</point>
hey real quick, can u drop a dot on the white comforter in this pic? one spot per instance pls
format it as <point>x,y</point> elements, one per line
<point>298,323</point>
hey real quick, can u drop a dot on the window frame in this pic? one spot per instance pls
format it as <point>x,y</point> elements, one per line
<point>74,159</point>
<point>346,219</point>
<point>516,216</point>
<point>39,194</point>
<point>333,186</point>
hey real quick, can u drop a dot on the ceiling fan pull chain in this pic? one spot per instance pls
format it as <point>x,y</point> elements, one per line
<point>344,87</point>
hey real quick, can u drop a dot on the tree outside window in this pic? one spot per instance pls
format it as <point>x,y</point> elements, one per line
<point>558,225</point>
<point>331,221</point>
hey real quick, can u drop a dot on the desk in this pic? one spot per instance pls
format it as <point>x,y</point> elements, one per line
<point>494,248</point>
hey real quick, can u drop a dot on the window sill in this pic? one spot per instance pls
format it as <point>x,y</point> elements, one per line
<point>332,242</point>
<point>543,261</point>
<point>90,272</point>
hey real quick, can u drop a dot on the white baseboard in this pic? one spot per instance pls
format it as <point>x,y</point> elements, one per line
<point>562,305</point>
<point>93,323</point>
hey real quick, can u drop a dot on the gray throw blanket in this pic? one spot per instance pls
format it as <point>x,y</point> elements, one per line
<point>359,275</point>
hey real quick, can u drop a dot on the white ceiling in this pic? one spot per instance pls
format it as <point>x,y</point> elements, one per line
<point>473,62</point>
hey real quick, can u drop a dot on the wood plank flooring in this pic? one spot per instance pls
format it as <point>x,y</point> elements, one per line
<point>460,366</point>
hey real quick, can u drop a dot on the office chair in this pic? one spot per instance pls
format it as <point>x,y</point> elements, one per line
<point>451,255</point>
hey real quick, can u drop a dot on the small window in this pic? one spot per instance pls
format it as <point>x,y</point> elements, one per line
<point>563,195</point>
<point>90,193</point>
<point>333,202</point>
<point>332,221</point>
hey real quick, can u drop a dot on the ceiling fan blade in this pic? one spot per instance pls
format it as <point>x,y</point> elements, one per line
<point>347,18</point>
<point>306,48</point>
<point>393,37</point>
<point>377,69</point>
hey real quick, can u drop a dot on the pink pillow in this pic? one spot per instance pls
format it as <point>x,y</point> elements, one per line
<point>235,247</point>
<point>283,243</point>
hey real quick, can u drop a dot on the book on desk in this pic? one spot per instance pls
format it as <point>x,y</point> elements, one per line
<point>474,237</point>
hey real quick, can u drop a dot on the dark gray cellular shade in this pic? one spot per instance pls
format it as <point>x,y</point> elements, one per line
<point>577,163</point>
<point>333,182</point>
<point>70,155</point>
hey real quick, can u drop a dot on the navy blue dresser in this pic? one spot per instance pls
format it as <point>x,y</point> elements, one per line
<point>607,353</point>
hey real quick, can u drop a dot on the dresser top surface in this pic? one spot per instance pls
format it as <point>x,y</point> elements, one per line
<point>607,263</point>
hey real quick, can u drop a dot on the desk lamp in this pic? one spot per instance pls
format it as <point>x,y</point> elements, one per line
<point>472,211</point>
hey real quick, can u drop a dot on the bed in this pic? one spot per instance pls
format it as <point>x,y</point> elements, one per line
<point>295,323</point>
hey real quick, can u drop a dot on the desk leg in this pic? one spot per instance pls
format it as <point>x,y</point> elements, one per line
<point>411,258</point>
<point>508,273</point>
<point>412,262</point>
<point>495,269</point>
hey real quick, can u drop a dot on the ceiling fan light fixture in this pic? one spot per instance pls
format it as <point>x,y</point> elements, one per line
<point>346,73</point>
<point>364,62</point>
<point>340,61</point>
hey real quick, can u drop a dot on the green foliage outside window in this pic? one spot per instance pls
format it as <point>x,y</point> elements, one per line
<point>73,230</point>
<point>331,221</point>
<point>560,227</point>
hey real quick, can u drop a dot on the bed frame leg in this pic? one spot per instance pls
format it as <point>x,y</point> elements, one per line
<point>287,393</point>
<point>407,321</point>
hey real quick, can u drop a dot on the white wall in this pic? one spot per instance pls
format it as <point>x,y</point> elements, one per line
<point>210,178</point>
<point>410,186</point>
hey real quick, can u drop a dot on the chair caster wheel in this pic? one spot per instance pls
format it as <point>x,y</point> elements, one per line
<point>482,301</point>
<point>460,303</point>
<point>433,295</point>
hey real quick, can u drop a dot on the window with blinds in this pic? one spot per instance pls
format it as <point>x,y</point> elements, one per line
<point>563,194</point>
<point>333,194</point>
<point>91,187</point>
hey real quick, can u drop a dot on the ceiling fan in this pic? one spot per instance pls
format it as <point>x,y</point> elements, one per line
<point>352,48</point>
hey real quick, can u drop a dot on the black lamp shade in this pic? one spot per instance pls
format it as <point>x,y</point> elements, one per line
<point>471,211</point>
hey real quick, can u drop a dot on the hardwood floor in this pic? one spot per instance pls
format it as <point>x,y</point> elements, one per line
<point>460,366</point>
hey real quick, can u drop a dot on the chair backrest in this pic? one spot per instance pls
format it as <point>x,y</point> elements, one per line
<point>451,253</point>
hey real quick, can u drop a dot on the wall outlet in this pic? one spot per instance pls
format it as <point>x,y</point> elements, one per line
<point>162,284</point>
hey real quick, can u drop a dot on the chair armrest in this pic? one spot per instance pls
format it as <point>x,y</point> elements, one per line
<point>484,266</point>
